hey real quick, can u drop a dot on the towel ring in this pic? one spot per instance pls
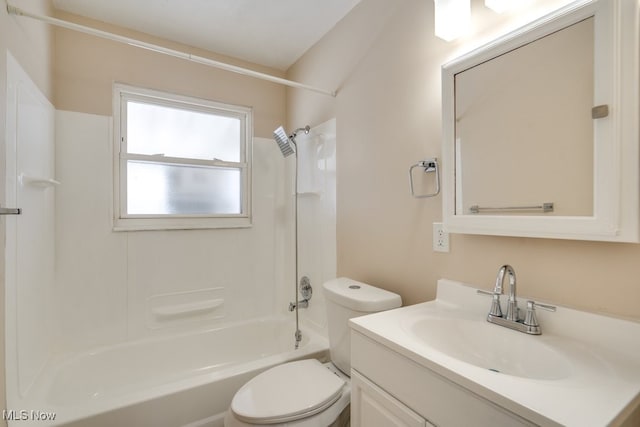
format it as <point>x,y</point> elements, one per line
<point>430,166</point>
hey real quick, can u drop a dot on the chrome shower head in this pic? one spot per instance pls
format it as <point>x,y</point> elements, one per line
<point>287,144</point>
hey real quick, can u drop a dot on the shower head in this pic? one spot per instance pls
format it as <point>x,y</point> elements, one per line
<point>287,144</point>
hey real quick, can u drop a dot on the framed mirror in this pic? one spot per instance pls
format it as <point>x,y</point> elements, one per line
<point>540,129</point>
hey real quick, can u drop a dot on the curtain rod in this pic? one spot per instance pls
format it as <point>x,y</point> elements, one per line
<point>13,10</point>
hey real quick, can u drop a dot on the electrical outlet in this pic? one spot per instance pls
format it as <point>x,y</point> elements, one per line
<point>440,238</point>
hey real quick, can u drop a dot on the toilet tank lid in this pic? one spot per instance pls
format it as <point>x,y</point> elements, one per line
<point>359,296</point>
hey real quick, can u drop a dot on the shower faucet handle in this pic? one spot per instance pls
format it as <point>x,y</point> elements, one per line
<point>305,288</point>
<point>306,291</point>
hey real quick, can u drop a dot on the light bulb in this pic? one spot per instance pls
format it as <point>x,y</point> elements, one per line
<point>500,6</point>
<point>452,18</point>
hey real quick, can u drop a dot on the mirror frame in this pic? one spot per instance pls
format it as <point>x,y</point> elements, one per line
<point>616,145</point>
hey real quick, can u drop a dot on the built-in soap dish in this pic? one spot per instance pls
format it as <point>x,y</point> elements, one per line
<point>171,308</point>
<point>187,309</point>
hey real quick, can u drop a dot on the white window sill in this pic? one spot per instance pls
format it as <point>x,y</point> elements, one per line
<point>142,224</point>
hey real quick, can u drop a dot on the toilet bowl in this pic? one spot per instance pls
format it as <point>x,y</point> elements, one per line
<point>307,393</point>
<point>304,393</point>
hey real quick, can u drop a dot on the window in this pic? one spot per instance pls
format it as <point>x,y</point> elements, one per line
<point>180,162</point>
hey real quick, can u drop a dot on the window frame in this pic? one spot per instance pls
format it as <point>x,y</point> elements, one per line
<point>122,221</point>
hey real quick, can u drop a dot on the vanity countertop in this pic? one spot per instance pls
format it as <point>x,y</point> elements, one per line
<point>584,370</point>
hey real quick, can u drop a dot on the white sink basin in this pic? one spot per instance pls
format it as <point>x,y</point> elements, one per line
<point>584,370</point>
<point>492,347</point>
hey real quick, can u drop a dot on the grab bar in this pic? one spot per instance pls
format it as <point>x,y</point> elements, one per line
<point>430,166</point>
<point>545,207</point>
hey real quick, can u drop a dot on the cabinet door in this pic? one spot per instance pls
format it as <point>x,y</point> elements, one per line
<point>373,407</point>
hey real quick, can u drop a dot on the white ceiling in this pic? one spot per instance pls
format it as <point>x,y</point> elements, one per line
<point>274,33</point>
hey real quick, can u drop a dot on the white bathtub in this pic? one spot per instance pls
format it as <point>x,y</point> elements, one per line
<point>177,381</point>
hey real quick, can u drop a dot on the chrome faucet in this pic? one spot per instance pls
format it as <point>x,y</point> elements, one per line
<point>304,303</point>
<point>512,319</point>
<point>512,303</point>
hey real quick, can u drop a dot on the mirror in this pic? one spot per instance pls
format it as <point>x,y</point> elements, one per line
<point>515,109</point>
<point>538,125</point>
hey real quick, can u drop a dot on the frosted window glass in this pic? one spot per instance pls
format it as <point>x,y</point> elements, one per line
<point>162,189</point>
<point>157,129</point>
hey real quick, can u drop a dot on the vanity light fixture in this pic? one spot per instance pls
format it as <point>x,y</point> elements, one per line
<point>452,18</point>
<point>500,6</point>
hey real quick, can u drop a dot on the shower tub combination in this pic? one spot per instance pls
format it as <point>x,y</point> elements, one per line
<point>188,380</point>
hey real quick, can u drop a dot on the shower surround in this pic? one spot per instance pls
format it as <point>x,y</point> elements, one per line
<point>140,296</point>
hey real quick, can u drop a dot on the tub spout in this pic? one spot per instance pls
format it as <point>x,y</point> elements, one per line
<point>301,304</point>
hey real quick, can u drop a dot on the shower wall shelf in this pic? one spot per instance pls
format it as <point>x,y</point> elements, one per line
<point>10,211</point>
<point>38,181</point>
<point>429,166</point>
<point>187,308</point>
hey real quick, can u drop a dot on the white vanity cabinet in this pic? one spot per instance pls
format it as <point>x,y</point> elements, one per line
<point>371,406</point>
<point>389,389</point>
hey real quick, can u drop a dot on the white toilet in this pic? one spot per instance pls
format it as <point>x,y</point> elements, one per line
<point>307,393</point>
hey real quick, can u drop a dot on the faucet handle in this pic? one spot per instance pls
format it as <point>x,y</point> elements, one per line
<point>483,292</point>
<point>496,310</point>
<point>532,305</point>
<point>530,318</point>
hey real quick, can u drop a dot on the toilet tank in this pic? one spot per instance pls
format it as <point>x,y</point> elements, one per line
<point>347,298</point>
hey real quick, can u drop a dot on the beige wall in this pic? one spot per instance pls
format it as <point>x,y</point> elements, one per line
<point>388,115</point>
<point>31,44</point>
<point>87,66</point>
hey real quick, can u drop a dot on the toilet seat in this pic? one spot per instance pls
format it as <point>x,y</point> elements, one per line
<point>287,392</point>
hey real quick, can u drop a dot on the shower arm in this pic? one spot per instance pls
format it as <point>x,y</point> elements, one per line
<point>305,129</point>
